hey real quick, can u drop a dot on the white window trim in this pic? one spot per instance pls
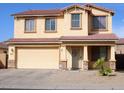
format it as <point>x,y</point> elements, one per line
<point>29,30</point>
<point>50,31</point>
<point>80,20</point>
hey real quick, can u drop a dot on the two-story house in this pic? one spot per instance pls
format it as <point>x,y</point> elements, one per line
<point>73,37</point>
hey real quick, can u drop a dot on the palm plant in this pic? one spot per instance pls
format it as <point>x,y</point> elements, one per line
<point>103,69</point>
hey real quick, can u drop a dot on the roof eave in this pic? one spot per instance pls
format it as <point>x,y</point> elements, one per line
<point>9,43</point>
<point>74,5</point>
<point>23,15</point>
<point>89,40</point>
<point>107,10</point>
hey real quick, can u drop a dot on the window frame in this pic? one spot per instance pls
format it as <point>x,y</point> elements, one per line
<point>34,30</point>
<point>51,31</point>
<point>98,52</point>
<point>106,23</point>
<point>80,22</point>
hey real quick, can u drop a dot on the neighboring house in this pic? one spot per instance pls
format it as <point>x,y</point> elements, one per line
<point>120,46</point>
<point>70,38</point>
<point>3,55</point>
<point>120,54</point>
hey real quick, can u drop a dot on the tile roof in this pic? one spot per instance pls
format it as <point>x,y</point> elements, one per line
<point>64,38</point>
<point>40,12</point>
<point>120,41</point>
<point>91,37</point>
<point>34,40</point>
<point>59,11</point>
<point>99,7</point>
<point>3,45</point>
<point>74,5</point>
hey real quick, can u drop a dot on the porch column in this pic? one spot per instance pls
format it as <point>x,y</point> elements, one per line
<point>112,58</point>
<point>112,53</point>
<point>63,60</point>
<point>85,58</point>
<point>69,58</point>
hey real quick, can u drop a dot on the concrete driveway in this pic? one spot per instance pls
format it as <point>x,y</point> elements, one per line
<point>58,79</point>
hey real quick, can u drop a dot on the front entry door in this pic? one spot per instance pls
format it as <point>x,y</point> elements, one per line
<point>75,58</point>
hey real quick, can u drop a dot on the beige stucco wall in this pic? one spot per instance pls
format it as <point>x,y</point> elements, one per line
<point>63,25</point>
<point>11,56</point>
<point>2,50</point>
<point>63,53</point>
<point>11,53</point>
<point>40,28</point>
<point>67,31</point>
<point>69,58</point>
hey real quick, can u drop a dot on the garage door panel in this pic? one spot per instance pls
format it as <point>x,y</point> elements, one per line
<point>47,58</point>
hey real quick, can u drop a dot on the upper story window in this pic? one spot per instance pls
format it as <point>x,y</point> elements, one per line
<point>75,20</point>
<point>50,25</point>
<point>29,25</point>
<point>99,22</point>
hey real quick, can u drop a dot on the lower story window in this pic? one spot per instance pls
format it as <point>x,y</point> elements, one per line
<point>99,52</point>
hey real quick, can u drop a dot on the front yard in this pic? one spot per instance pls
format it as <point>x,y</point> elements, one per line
<point>58,79</point>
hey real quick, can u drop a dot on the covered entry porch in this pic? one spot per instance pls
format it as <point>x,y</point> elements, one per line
<point>81,52</point>
<point>84,56</point>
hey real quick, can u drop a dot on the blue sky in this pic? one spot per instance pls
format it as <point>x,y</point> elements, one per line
<point>7,25</point>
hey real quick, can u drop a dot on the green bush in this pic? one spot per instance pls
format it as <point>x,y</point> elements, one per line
<point>103,69</point>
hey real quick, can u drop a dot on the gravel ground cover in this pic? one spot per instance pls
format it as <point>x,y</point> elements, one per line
<point>59,79</point>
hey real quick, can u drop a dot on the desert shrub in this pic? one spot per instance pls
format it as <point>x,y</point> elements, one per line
<point>103,69</point>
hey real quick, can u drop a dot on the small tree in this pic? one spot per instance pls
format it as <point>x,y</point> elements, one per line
<point>103,69</point>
